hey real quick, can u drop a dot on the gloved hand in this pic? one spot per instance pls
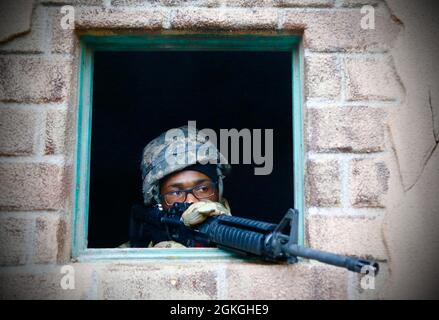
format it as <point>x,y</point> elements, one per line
<point>169,244</point>
<point>200,211</point>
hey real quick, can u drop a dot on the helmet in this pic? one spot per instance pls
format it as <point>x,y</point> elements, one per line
<point>175,150</point>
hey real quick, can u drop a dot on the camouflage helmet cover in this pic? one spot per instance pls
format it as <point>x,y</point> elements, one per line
<point>175,150</point>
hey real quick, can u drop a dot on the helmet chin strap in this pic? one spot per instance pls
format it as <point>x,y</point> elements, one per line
<point>220,183</point>
<point>156,193</point>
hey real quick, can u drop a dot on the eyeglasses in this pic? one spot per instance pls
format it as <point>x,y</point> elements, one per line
<point>201,191</point>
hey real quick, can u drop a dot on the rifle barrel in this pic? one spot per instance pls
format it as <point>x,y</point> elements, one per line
<point>353,264</point>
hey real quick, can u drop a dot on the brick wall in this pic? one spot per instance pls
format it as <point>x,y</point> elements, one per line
<point>371,132</point>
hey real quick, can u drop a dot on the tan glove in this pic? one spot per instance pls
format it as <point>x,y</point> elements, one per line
<point>169,244</point>
<point>200,211</point>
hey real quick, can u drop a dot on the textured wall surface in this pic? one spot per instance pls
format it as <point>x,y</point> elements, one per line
<point>371,135</point>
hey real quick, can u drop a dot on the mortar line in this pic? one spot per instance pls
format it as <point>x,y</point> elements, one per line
<point>344,180</point>
<point>354,54</point>
<point>34,106</point>
<point>48,159</point>
<point>347,212</point>
<point>345,156</point>
<point>375,104</point>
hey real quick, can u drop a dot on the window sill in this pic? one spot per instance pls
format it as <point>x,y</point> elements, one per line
<point>104,255</point>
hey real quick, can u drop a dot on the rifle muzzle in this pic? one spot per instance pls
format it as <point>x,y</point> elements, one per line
<point>363,266</point>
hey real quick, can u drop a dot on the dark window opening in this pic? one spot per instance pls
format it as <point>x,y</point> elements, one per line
<point>138,95</point>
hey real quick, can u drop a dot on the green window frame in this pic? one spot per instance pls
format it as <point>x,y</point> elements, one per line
<point>89,44</point>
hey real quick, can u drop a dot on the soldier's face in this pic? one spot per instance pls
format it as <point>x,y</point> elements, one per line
<point>184,180</point>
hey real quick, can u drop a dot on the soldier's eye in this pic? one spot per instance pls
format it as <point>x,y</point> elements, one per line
<point>202,189</point>
<point>174,194</point>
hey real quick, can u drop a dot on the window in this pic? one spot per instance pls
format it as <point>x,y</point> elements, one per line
<point>134,88</point>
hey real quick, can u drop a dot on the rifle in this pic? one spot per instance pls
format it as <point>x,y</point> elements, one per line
<point>244,236</point>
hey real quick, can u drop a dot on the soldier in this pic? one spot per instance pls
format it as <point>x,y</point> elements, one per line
<point>180,168</point>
